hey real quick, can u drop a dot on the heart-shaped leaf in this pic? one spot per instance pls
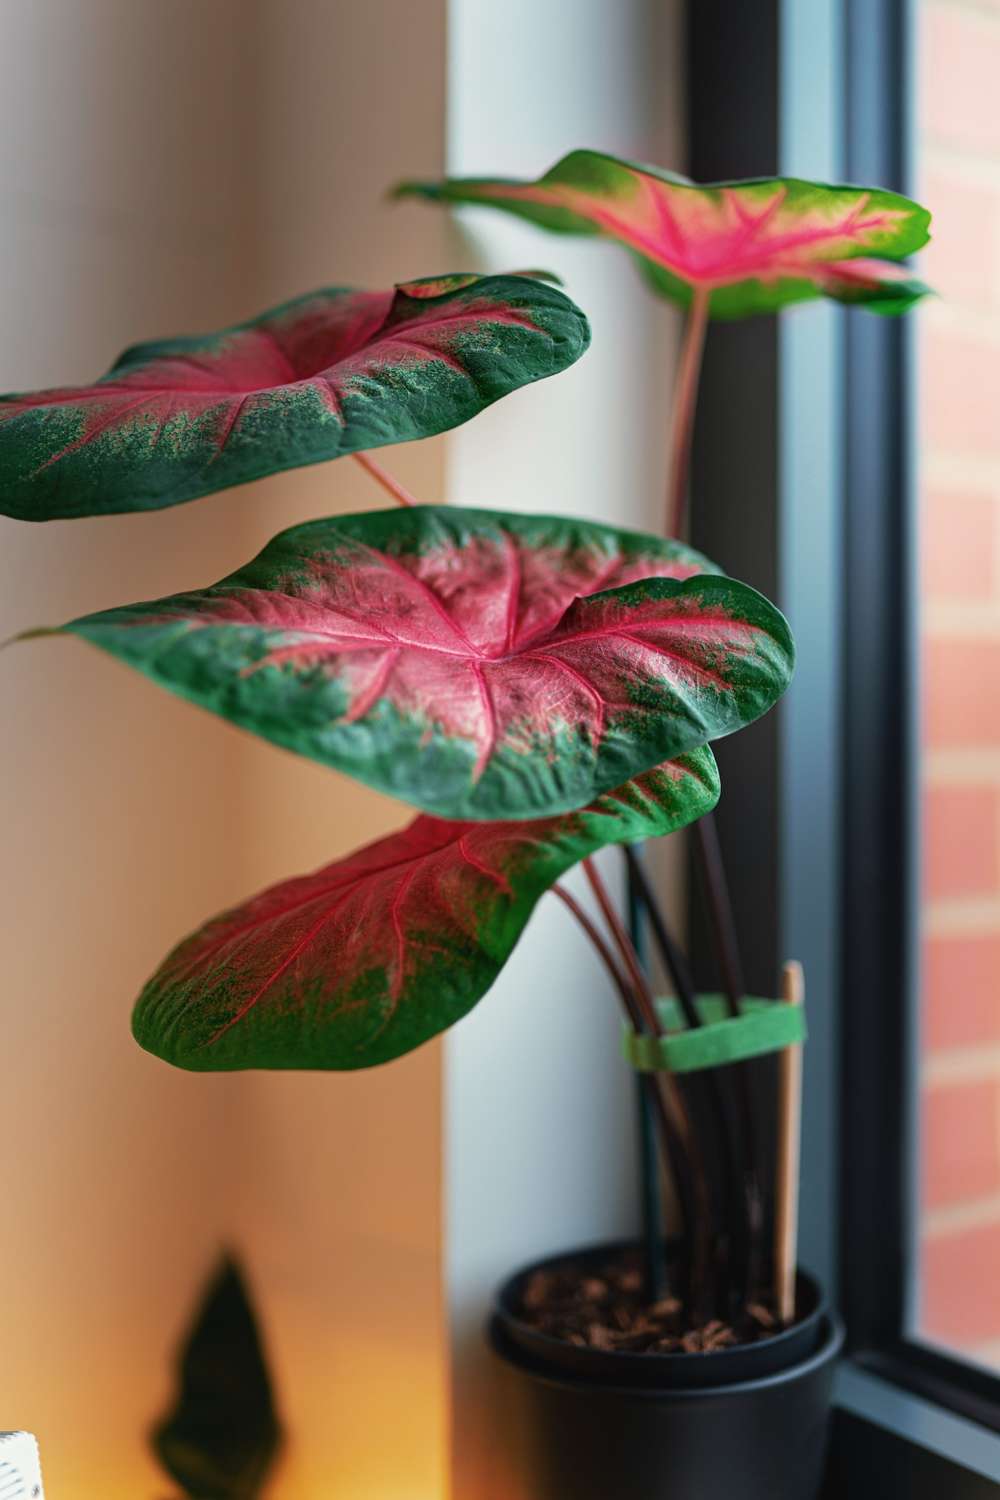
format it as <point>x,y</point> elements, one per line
<point>754,245</point>
<point>328,374</point>
<point>374,954</point>
<point>443,656</point>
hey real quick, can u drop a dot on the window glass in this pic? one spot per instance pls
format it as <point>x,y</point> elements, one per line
<point>958,175</point>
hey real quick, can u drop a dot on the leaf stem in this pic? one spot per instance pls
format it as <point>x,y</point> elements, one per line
<point>737,1206</point>
<point>698,1218</point>
<point>706,833</point>
<point>602,948</point>
<point>673,959</point>
<point>685,400</point>
<point>721,909</point>
<point>640,984</point>
<point>650,1194</point>
<point>713,872</point>
<point>664,1103</point>
<point>382,476</point>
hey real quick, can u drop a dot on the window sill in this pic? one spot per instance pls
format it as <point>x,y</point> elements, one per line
<point>887,1441</point>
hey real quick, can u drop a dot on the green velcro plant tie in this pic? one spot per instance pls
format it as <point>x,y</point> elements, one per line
<point>764,1026</point>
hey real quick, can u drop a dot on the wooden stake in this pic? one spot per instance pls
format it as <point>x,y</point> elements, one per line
<point>786,1191</point>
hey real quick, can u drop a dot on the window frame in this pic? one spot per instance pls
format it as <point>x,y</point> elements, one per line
<point>818,410</point>
<point>881,698</point>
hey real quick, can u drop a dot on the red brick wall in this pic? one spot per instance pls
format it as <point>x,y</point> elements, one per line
<point>958,151</point>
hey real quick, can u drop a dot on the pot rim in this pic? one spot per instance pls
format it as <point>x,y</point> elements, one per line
<point>630,1362</point>
<point>829,1349</point>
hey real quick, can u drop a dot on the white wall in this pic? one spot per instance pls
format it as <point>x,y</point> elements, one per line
<point>538,1113</point>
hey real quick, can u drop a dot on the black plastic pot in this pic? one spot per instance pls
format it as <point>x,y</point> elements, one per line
<point>588,1424</point>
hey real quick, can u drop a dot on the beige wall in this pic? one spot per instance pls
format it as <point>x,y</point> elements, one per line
<point>169,165</point>
<point>341,1196</point>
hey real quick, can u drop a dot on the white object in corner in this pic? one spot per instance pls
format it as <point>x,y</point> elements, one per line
<point>20,1470</point>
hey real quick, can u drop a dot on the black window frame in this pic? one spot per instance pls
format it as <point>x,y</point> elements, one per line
<point>810,498</point>
<point>882,748</point>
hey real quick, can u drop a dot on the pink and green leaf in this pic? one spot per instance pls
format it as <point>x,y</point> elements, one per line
<point>753,246</point>
<point>330,373</point>
<point>475,664</point>
<point>376,953</point>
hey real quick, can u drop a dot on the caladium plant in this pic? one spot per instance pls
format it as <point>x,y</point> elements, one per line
<point>472,663</point>
<point>720,250</point>
<point>537,687</point>
<point>376,953</point>
<point>331,373</point>
<point>750,247</point>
